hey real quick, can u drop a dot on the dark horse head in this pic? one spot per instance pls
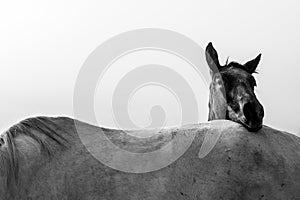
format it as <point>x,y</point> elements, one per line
<point>232,94</point>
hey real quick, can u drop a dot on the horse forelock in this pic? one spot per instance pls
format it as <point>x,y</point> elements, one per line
<point>235,65</point>
<point>38,135</point>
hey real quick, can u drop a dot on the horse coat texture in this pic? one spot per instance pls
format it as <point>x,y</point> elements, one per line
<point>242,165</point>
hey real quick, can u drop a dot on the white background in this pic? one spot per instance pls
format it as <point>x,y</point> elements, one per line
<point>43,45</point>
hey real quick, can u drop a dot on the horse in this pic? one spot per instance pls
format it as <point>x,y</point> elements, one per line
<point>232,94</point>
<point>44,158</point>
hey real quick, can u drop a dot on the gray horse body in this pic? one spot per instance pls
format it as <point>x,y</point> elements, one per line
<point>242,165</point>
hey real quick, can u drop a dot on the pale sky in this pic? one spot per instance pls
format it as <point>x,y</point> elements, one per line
<point>43,45</point>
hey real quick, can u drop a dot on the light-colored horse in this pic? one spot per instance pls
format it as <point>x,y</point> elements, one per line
<point>43,158</point>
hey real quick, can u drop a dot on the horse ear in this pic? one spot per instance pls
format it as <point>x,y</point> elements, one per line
<point>252,64</point>
<point>212,58</point>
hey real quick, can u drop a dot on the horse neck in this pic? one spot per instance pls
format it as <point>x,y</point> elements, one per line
<point>3,188</point>
<point>29,160</point>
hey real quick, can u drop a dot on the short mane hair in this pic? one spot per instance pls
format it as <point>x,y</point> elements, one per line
<point>36,128</point>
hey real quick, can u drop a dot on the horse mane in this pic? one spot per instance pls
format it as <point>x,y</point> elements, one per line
<point>45,132</point>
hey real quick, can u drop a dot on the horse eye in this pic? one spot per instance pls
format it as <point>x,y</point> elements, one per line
<point>1,141</point>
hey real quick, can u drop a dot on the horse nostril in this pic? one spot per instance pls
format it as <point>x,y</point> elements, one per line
<point>253,113</point>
